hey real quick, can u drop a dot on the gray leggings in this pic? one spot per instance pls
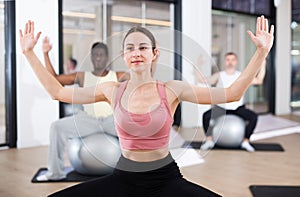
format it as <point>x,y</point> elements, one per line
<point>79,125</point>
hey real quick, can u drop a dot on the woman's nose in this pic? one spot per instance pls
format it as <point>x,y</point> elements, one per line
<point>136,52</point>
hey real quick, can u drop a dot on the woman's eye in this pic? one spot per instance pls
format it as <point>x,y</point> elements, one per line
<point>129,49</point>
<point>143,48</point>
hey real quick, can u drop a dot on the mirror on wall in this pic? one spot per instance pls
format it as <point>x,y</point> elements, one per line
<point>88,21</point>
<point>229,35</point>
<point>2,75</point>
<point>295,56</point>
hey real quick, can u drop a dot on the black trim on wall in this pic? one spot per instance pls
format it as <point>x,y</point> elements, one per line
<point>272,62</point>
<point>10,74</point>
<point>165,1</point>
<point>60,50</point>
<point>177,54</point>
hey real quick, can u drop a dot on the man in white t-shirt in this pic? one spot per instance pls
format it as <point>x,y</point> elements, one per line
<point>224,79</point>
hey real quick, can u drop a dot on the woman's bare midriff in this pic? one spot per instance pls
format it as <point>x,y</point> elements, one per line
<point>145,155</point>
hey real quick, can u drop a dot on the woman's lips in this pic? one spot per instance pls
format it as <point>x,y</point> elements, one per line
<point>136,62</point>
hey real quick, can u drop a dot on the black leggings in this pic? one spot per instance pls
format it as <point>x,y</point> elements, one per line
<point>216,111</point>
<point>162,182</point>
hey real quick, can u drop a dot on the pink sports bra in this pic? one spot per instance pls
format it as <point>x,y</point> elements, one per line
<point>147,131</point>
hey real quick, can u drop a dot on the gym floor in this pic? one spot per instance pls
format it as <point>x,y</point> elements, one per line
<point>229,173</point>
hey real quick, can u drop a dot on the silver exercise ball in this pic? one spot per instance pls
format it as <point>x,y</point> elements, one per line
<point>229,131</point>
<point>96,154</point>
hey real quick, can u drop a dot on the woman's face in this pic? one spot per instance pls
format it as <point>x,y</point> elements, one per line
<point>138,53</point>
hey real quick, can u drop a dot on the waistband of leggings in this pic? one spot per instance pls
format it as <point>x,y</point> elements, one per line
<point>126,164</point>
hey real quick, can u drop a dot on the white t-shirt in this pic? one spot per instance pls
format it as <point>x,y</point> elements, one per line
<point>98,109</point>
<point>225,80</point>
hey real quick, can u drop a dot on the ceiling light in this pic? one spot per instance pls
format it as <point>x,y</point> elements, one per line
<point>141,21</point>
<point>78,31</point>
<point>79,14</point>
<point>295,52</point>
<point>295,104</point>
<point>294,24</point>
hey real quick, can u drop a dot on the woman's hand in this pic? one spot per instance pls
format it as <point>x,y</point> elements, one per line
<point>46,45</point>
<point>28,40</point>
<point>263,39</point>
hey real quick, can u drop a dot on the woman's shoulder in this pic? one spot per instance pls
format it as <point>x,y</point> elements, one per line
<point>172,82</point>
<point>112,86</point>
<point>116,83</point>
<point>174,85</point>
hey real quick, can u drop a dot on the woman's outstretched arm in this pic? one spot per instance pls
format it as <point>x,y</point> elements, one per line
<point>263,40</point>
<point>28,41</point>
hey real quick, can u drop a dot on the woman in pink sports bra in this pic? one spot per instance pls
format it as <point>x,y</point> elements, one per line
<point>143,111</point>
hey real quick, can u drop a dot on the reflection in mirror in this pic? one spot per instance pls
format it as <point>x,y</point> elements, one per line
<point>229,35</point>
<point>295,57</point>
<point>88,21</point>
<point>2,75</point>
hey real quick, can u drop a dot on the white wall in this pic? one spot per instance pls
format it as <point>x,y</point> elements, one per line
<point>35,109</point>
<point>283,58</point>
<point>2,60</point>
<point>196,29</point>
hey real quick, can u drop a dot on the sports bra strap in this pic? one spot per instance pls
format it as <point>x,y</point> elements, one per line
<point>120,92</point>
<point>161,90</point>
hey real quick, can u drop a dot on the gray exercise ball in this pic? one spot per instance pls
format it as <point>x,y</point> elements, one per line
<point>229,131</point>
<point>96,154</point>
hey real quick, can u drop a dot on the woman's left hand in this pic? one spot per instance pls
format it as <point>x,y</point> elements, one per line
<point>263,39</point>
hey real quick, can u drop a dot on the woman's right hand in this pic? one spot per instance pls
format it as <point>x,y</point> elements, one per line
<point>28,40</point>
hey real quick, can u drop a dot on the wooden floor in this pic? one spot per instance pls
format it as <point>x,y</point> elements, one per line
<point>229,173</point>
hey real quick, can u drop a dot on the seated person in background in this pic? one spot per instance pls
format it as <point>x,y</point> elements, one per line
<point>224,79</point>
<point>96,117</point>
<point>70,66</point>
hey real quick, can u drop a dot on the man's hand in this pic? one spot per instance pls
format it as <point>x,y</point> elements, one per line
<point>46,45</point>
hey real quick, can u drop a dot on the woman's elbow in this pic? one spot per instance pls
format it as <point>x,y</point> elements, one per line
<point>233,96</point>
<point>236,98</point>
<point>55,97</point>
<point>259,82</point>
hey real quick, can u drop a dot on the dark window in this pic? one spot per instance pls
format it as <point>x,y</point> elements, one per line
<point>255,7</point>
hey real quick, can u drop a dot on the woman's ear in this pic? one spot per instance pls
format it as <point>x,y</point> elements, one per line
<point>154,61</point>
<point>156,55</point>
<point>122,54</point>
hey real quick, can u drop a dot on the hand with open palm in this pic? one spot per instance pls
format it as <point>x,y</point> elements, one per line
<point>263,39</point>
<point>46,45</point>
<point>27,38</point>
